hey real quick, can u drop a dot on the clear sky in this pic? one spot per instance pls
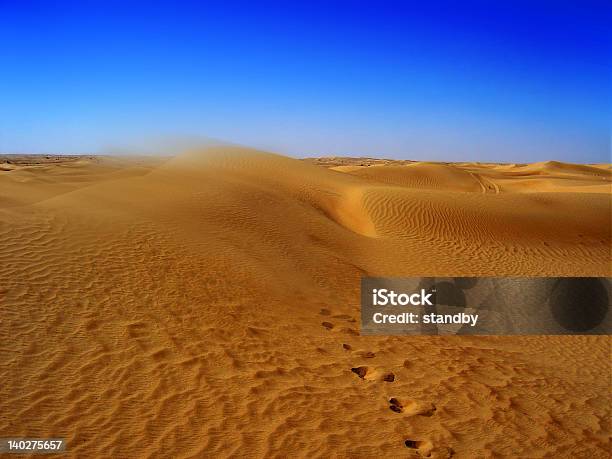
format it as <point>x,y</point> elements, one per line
<point>458,80</point>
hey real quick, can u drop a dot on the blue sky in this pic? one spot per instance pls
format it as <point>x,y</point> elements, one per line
<point>519,81</point>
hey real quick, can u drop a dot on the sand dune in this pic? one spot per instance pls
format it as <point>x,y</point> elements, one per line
<point>207,306</point>
<point>488,178</point>
<point>418,176</point>
<point>38,177</point>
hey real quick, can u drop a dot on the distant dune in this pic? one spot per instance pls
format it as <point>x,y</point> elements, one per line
<point>207,305</point>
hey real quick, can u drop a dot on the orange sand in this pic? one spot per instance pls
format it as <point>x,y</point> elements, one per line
<point>207,306</point>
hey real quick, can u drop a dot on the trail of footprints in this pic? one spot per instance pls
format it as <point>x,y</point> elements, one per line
<point>407,407</point>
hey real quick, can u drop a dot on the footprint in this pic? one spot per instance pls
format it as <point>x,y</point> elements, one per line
<point>347,347</point>
<point>327,325</point>
<point>371,374</point>
<point>412,407</point>
<point>424,448</point>
<point>362,372</point>
<point>396,405</point>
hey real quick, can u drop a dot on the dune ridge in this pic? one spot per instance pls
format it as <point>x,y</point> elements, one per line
<point>207,305</point>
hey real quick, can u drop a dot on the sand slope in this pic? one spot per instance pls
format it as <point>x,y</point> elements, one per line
<point>207,306</point>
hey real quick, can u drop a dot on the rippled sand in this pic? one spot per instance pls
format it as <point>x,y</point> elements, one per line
<point>207,306</point>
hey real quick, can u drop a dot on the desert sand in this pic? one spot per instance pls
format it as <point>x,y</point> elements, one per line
<point>207,305</point>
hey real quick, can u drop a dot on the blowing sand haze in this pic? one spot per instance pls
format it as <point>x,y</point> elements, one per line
<point>206,305</point>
